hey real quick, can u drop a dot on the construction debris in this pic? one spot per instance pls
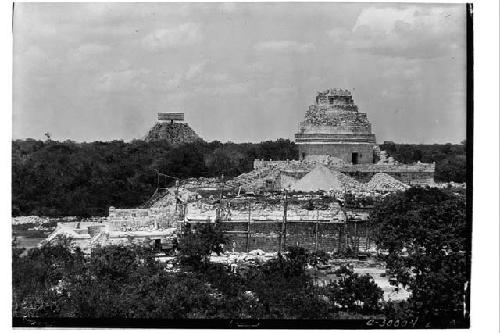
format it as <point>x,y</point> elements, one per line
<point>348,183</point>
<point>255,179</point>
<point>385,183</point>
<point>319,179</point>
<point>29,219</point>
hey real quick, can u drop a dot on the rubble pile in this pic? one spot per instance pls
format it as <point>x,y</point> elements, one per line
<point>384,183</point>
<point>287,181</point>
<point>202,182</point>
<point>290,173</point>
<point>348,183</point>
<point>173,133</point>
<point>169,199</point>
<point>255,179</point>
<point>319,179</point>
<point>29,219</point>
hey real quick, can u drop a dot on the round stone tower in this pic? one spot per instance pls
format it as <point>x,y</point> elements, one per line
<point>334,127</point>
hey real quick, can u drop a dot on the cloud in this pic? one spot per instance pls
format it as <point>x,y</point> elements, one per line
<point>169,82</point>
<point>410,32</point>
<point>35,61</point>
<point>228,7</point>
<point>280,91</point>
<point>220,77</point>
<point>384,19</point>
<point>183,35</point>
<point>229,88</point>
<point>123,81</point>
<point>284,46</point>
<point>176,100</point>
<point>85,51</point>
<point>195,70</point>
<point>31,53</point>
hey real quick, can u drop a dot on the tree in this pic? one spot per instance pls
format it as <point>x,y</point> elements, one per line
<point>449,159</point>
<point>37,277</point>
<point>452,169</point>
<point>284,289</point>
<point>354,292</point>
<point>425,234</point>
<point>197,242</point>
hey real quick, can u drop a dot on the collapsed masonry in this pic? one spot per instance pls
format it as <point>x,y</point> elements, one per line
<point>252,222</point>
<point>278,175</point>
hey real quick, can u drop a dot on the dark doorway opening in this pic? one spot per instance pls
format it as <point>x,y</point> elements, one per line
<point>355,158</point>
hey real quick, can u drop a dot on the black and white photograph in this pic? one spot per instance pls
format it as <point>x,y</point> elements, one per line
<point>243,165</point>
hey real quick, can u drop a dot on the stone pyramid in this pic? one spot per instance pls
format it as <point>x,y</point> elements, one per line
<point>173,133</point>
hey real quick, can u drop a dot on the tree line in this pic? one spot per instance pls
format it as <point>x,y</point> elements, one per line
<point>52,178</point>
<point>450,159</point>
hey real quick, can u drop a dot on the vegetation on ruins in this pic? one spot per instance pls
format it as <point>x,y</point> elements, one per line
<point>67,178</point>
<point>427,240</point>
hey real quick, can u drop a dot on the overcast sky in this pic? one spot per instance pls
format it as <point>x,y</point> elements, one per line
<point>240,72</point>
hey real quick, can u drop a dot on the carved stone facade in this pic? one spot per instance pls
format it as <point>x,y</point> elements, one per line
<point>334,127</point>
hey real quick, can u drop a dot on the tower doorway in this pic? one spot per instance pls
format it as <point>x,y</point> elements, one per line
<point>354,158</point>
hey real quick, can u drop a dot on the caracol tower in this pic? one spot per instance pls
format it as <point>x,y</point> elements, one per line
<point>333,127</point>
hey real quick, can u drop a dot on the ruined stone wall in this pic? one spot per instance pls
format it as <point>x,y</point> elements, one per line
<point>266,236</point>
<point>414,178</point>
<point>128,213</point>
<point>410,178</point>
<point>344,138</point>
<point>414,174</point>
<point>197,211</point>
<point>259,164</point>
<point>343,121</point>
<point>305,128</point>
<point>137,218</point>
<point>342,151</point>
